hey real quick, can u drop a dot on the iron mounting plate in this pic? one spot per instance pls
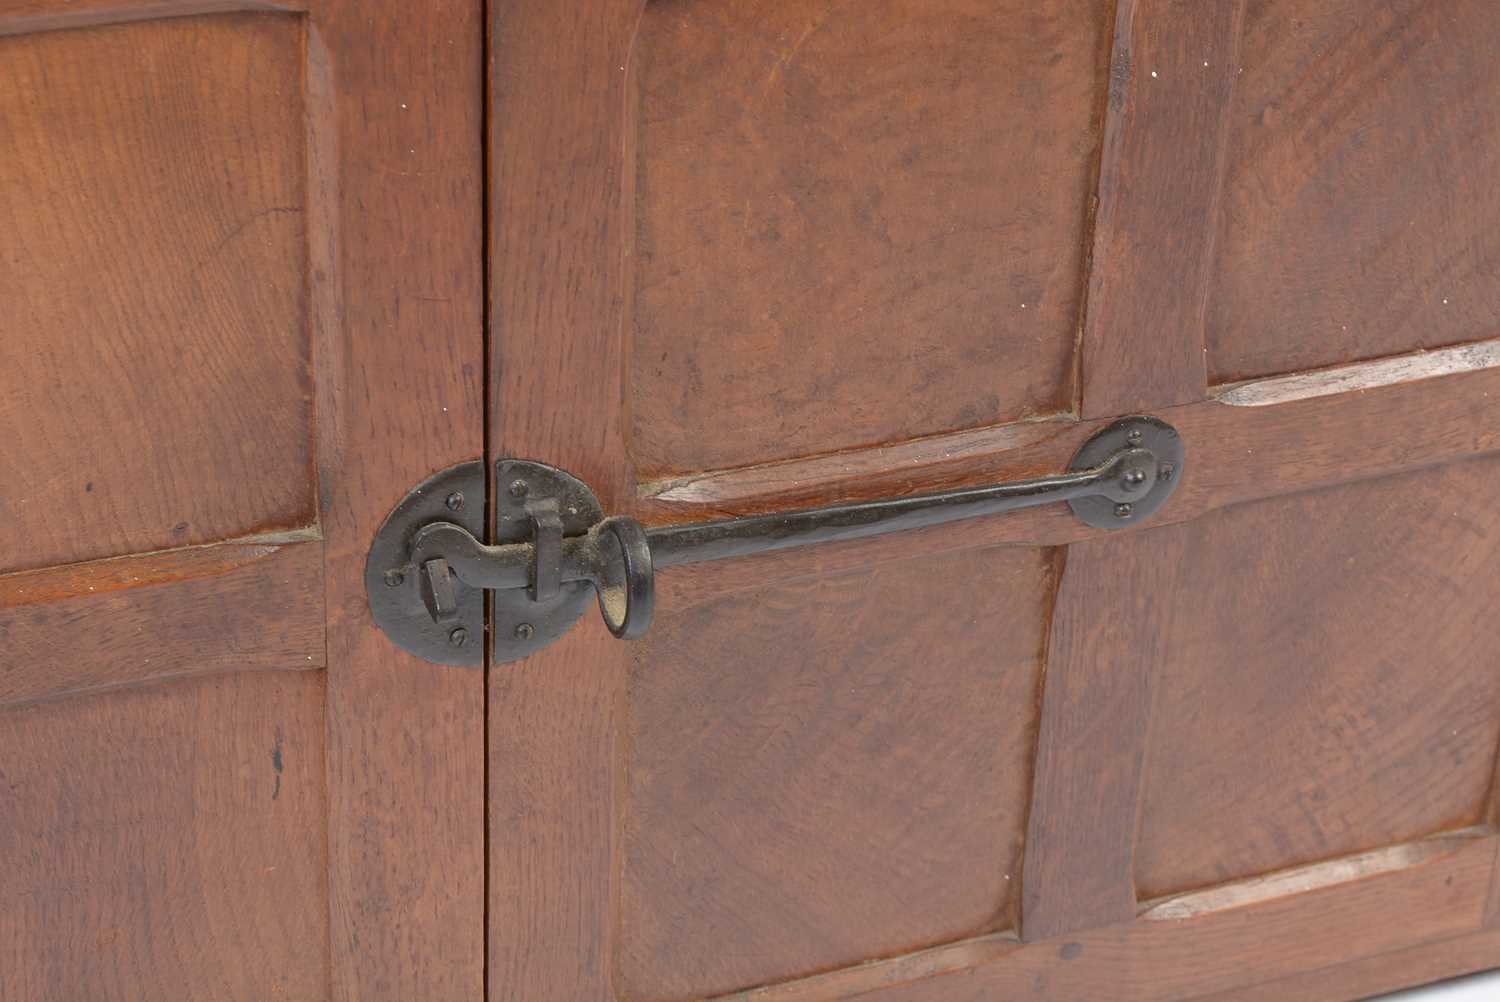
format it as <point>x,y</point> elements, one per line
<point>523,625</point>
<point>1132,432</point>
<point>394,586</point>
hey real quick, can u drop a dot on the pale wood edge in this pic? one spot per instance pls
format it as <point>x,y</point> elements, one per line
<point>718,488</point>
<point>1240,944</point>
<point>20,17</point>
<point>1301,879</point>
<point>926,463</point>
<point>1360,376</point>
<point>1235,455</point>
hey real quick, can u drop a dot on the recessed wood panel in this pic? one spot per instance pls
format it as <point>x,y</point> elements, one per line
<point>1360,217</point>
<point>827,770</point>
<point>1329,684</point>
<point>154,335</point>
<point>166,843</point>
<point>856,223</point>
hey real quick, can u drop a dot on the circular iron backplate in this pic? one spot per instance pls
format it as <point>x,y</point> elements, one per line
<point>523,626</point>
<point>393,584</point>
<point>1128,433</point>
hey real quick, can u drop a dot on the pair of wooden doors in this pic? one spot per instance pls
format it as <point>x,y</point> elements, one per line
<point>268,265</point>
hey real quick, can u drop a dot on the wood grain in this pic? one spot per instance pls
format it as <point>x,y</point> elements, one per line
<point>772,740</point>
<point>1301,879</point>
<point>132,620</point>
<point>632,849</point>
<point>838,474</point>
<point>1289,937</point>
<point>157,355</point>
<point>1492,913</point>
<point>1070,971</point>
<point>557,327</point>
<point>1359,215</point>
<point>166,843</point>
<point>1341,982</point>
<point>1234,455</point>
<point>1389,972</point>
<point>1109,632</point>
<point>221,218</point>
<point>396,94</point>
<point>824,255</point>
<point>25,17</point>
<point>1173,68</point>
<point>1340,696</point>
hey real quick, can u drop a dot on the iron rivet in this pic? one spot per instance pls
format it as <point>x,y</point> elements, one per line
<point>1167,469</point>
<point>1134,477</point>
<point>1123,510</point>
<point>458,637</point>
<point>1133,436</point>
<point>394,577</point>
<point>454,501</point>
<point>518,488</point>
<point>525,631</point>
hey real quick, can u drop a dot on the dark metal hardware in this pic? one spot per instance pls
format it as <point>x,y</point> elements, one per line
<point>555,550</point>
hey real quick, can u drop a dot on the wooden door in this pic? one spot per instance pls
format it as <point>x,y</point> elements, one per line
<point>240,269</point>
<point>747,256</point>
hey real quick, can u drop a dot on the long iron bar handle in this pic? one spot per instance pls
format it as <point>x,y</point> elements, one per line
<point>1122,475</point>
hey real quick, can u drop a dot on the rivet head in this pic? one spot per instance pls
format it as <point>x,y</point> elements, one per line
<point>1133,436</point>
<point>458,637</point>
<point>454,501</point>
<point>519,489</point>
<point>525,631</point>
<point>1166,471</point>
<point>1134,477</point>
<point>394,577</point>
<point>1123,510</point>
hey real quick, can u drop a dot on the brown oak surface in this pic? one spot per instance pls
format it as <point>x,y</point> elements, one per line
<point>154,396</point>
<point>1109,627</point>
<point>401,345</point>
<point>166,843</point>
<point>700,217</point>
<point>1359,208</point>
<point>246,313</point>
<point>816,186</point>
<point>1173,67</point>
<point>135,619</point>
<point>759,723</point>
<point>1308,713</point>
<point>554,225</point>
<point>1287,937</point>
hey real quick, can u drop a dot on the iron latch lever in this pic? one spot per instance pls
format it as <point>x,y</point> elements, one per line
<point>556,549</point>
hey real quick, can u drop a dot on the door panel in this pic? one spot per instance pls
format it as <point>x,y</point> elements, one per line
<point>151,168</point>
<point>1341,697</point>
<point>243,286</point>
<point>816,186</point>
<point>1363,144</point>
<point>160,839</point>
<point>818,708</point>
<point>1246,750</point>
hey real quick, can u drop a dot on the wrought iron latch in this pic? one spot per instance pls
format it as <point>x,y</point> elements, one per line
<point>555,550</point>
